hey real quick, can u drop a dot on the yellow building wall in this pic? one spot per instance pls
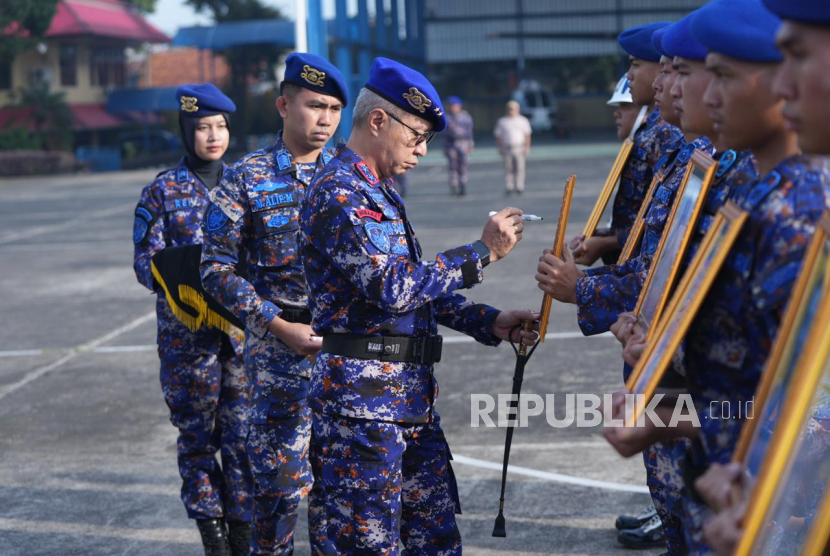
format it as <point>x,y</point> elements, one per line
<point>81,93</point>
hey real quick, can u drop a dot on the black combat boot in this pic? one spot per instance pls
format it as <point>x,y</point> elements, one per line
<point>636,521</point>
<point>214,537</point>
<point>239,535</point>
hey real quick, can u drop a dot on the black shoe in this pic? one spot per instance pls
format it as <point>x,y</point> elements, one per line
<point>239,537</point>
<point>650,535</point>
<point>635,521</point>
<point>214,537</point>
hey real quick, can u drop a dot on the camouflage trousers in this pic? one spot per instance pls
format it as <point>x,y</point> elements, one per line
<point>457,156</point>
<point>280,428</point>
<point>378,484</point>
<point>206,389</point>
<point>665,482</point>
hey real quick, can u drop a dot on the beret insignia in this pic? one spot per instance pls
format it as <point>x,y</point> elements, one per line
<point>417,100</point>
<point>313,76</point>
<point>189,104</point>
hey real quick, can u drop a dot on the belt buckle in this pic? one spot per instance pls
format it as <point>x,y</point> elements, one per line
<point>391,347</point>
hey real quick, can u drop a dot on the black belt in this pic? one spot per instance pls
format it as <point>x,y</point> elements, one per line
<point>397,349</point>
<point>295,314</point>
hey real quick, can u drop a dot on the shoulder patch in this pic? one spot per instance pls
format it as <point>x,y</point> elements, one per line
<point>367,173</point>
<point>140,229</point>
<point>181,175</point>
<point>366,213</point>
<point>215,218</point>
<point>760,191</point>
<point>726,161</point>
<point>378,236</point>
<point>685,154</point>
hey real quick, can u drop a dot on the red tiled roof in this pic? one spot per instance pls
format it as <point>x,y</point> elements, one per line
<point>178,66</point>
<point>93,116</point>
<point>85,117</point>
<point>102,18</point>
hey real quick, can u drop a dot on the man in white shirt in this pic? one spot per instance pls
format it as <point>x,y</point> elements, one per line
<point>513,141</point>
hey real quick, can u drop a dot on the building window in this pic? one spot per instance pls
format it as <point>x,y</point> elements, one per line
<point>107,67</point>
<point>5,76</point>
<point>69,65</point>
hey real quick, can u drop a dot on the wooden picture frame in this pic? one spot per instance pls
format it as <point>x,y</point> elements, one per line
<point>818,537</point>
<point>790,463</point>
<point>558,246</point>
<point>812,283</point>
<point>640,221</point>
<point>677,234</point>
<point>610,185</point>
<point>684,304</point>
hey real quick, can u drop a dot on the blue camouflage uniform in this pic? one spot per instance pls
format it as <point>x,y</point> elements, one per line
<point>607,291</point>
<point>202,374</point>
<point>256,208</point>
<point>654,139</point>
<point>381,463</point>
<point>730,338</point>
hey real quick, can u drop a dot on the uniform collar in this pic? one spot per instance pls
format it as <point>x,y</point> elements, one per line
<point>360,167</point>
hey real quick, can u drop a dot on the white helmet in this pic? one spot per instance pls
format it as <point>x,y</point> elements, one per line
<point>622,92</point>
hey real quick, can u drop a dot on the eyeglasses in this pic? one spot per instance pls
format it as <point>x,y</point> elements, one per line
<point>419,137</point>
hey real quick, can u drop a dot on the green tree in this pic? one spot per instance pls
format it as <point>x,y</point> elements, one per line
<point>144,6</point>
<point>22,24</point>
<point>49,113</point>
<point>245,61</point>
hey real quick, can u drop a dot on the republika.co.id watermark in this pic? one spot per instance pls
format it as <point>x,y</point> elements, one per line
<point>591,410</point>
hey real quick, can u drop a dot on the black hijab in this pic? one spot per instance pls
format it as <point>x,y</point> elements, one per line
<point>208,171</point>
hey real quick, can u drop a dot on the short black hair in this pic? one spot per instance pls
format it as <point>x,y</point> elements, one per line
<point>289,89</point>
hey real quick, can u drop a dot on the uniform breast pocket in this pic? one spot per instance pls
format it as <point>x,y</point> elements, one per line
<point>276,240</point>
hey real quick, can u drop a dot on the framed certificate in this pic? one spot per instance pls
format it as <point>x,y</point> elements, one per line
<point>794,473</point>
<point>558,246</point>
<point>683,307</point>
<point>677,234</point>
<point>610,184</point>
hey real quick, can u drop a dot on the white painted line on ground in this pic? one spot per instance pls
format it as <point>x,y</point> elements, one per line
<point>553,477</point>
<point>87,347</point>
<point>536,445</point>
<point>40,230</point>
<point>125,349</point>
<point>21,353</point>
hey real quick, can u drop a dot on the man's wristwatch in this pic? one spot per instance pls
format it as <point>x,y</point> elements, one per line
<point>483,252</point>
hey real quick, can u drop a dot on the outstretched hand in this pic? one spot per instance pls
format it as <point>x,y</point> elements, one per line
<point>558,278</point>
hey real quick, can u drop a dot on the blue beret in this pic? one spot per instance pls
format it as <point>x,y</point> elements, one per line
<point>657,40</point>
<point>815,12</point>
<point>742,29</point>
<point>317,74</point>
<point>453,100</point>
<point>637,41</point>
<point>203,100</point>
<point>678,41</point>
<point>406,88</point>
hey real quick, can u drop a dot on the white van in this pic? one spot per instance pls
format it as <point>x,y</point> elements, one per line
<point>537,105</point>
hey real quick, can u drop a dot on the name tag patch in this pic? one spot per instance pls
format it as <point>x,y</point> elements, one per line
<point>183,203</point>
<point>273,201</point>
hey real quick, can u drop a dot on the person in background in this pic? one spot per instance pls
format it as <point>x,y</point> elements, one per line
<point>513,141</point>
<point>458,144</point>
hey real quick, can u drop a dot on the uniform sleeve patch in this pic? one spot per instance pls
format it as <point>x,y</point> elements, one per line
<point>215,218</point>
<point>366,213</point>
<point>140,229</point>
<point>378,236</point>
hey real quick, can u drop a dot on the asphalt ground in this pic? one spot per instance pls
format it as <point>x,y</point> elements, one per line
<point>88,455</point>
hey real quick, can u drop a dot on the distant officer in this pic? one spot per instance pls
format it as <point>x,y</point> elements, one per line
<point>381,462</point>
<point>255,208</point>
<point>626,112</point>
<point>652,141</point>
<point>202,375</point>
<point>458,144</point>
<point>729,340</point>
